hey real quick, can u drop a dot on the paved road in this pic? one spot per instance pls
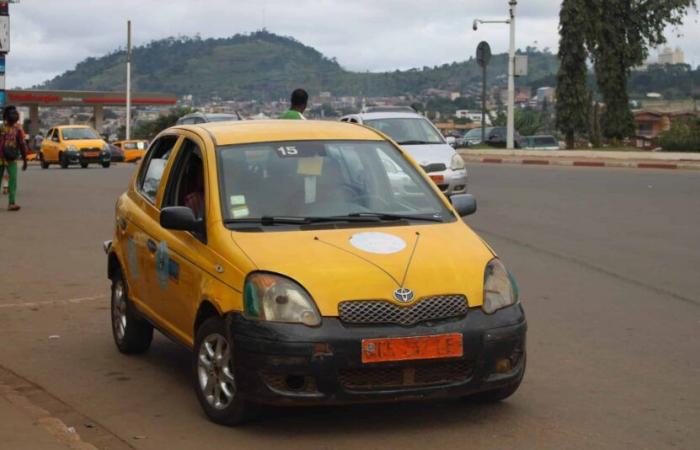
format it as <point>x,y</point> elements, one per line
<point>609,267</point>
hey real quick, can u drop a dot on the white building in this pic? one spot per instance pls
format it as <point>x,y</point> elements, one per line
<point>474,116</point>
<point>670,56</point>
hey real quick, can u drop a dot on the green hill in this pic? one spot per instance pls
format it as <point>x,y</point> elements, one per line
<point>266,66</point>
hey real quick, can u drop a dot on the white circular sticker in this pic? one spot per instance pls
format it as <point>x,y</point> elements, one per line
<point>379,243</point>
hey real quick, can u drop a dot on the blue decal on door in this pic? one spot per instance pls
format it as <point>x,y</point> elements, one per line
<point>163,264</point>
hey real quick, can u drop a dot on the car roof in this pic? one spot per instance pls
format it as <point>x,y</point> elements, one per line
<point>252,131</point>
<point>388,115</point>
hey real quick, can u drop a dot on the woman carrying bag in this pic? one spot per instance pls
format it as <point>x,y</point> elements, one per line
<point>12,147</point>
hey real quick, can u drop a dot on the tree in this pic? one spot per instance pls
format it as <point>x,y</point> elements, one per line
<point>618,39</point>
<point>148,130</point>
<point>571,79</point>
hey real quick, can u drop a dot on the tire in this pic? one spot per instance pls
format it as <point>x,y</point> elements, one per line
<point>62,161</point>
<point>132,334</point>
<point>44,163</point>
<point>212,365</point>
<point>84,165</point>
<point>106,164</point>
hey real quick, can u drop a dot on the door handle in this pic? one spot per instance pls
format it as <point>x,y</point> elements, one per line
<point>152,247</point>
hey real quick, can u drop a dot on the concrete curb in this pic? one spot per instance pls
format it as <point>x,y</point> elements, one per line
<point>585,163</point>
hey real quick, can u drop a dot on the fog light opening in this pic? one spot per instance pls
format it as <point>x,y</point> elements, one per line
<point>504,365</point>
<point>295,382</point>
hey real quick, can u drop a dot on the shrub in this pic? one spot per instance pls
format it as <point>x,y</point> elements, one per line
<point>684,136</point>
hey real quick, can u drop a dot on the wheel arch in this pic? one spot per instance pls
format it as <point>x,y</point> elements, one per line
<point>205,310</point>
<point>113,265</point>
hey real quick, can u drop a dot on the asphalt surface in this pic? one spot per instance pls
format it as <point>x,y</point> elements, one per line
<point>608,262</point>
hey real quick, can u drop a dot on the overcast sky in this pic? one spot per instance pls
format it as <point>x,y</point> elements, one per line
<point>50,37</point>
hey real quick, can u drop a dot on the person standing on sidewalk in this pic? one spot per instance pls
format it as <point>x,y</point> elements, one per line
<point>300,98</point>
<point>12,147</point>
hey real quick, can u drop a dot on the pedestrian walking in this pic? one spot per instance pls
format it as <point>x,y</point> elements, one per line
<point>299,100</point>
<point>12,147</point>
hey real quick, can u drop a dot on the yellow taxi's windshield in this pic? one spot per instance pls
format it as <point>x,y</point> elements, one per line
<point>323,179</point>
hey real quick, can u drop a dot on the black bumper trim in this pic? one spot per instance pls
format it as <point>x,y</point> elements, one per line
<point>321,354</point>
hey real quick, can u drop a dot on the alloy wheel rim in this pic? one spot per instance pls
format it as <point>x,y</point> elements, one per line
<point>119,311</point>
<point>214,371</point>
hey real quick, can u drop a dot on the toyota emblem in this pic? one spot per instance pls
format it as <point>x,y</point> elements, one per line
<point>403,295</point>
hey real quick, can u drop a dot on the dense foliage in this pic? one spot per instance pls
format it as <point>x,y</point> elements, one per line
<point>684,136</point>
<point>572,95</point>
<point>148,130</point>
<point>619,36</point>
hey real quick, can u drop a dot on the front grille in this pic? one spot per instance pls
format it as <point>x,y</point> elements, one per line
<point>366,312</point>
<point>433,374</point>
<point>435,167</point>
<point>443,187</point>
<point>92,149</point>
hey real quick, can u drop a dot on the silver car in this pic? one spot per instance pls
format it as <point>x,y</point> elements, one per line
<point>423,142</point>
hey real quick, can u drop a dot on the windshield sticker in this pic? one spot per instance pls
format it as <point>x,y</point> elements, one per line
<point>239,212</point>
<point>309,189</point>
<point>237,200</point>
<point>310,166</point>
<point>378,243</point>
<point>301,150</point>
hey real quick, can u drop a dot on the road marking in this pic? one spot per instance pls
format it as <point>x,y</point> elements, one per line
<point>68,301</point>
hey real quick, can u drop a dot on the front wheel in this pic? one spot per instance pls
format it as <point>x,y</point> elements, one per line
<point>131,333</point>
<point>44,162</point>
<point>214,375</point>
<point>63,161</point>
<point>84,165</point>
<point>106,164</point>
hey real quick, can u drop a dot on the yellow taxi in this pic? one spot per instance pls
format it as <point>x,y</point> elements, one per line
<point>74,144</point>
<point>134,149</point>
<point>299,270</point>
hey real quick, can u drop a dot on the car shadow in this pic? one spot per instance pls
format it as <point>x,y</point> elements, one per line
<point>173,361</point>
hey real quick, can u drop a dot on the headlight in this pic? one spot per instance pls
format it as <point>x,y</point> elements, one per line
<point>278,299</point>
<point>457,163</point>
<point>500,289</point>
<point>72,148</point>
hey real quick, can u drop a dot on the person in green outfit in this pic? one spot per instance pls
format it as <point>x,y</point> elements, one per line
<point>12,147</point>
<point>299,100</point>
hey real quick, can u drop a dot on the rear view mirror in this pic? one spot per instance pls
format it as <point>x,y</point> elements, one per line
<point>465,204</point>
<point>179,218</point>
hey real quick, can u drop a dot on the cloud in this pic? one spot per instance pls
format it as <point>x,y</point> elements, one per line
<point>49,38</point>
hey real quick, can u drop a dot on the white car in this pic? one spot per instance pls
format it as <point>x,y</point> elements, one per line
<point>423,142</point>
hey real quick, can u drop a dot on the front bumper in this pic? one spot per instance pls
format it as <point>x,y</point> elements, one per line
<point>293,364</point>
<point>83,158</point>
<point>451,182</point>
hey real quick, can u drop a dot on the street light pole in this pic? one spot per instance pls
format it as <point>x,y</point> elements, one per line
<point>128,80</point>
<point>510,141</point>
<point>510,137</point>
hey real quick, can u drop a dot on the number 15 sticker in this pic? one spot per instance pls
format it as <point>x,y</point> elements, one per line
<point>288,151</point>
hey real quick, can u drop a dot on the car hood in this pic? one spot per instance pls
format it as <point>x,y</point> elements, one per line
<point>339,265</point>
<point>87,143</point>
<point>431,153</point>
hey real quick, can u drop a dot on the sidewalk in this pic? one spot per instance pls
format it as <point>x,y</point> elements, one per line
<point>583,158</point>
<point>24,426</point>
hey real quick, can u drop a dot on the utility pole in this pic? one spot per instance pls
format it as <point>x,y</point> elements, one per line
<point>510,136</point>
<point>128,79</point>
<point>4,46</point>
<point>510,141</point>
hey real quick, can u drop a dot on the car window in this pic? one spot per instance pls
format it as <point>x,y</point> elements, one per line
<point>407,131</point>
<point>186,182</point>
<point>152,170</point>
<point>546,142</point>
<point>321,179</point>
<point>186,121</point>
<point>73,134</point>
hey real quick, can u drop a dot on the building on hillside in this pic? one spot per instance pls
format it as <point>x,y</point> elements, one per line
<point>474,116</point>
<point>545,93</point>
<point>651,124</point>
<point>670,56</point>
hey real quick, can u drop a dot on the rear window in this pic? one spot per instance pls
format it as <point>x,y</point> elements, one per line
<point>546,142</point>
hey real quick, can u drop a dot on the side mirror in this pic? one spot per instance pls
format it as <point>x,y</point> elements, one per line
<point>465,204</point>
<point>179,218</point>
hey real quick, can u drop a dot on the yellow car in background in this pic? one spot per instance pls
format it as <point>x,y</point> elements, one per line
<point>133,149</point>
<point>300,271</point>
<point>74,144</point>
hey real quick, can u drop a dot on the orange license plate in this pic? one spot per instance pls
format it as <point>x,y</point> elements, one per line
<point>437,178</point>
<point>411,348</point>
<point>91,154</point>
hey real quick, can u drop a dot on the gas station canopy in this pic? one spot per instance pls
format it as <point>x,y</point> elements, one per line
<point>85,98</point>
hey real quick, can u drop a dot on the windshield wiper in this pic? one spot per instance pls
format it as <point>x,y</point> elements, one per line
<point>293,220</point>
<point>389,216</point>
<point>415,143</point>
